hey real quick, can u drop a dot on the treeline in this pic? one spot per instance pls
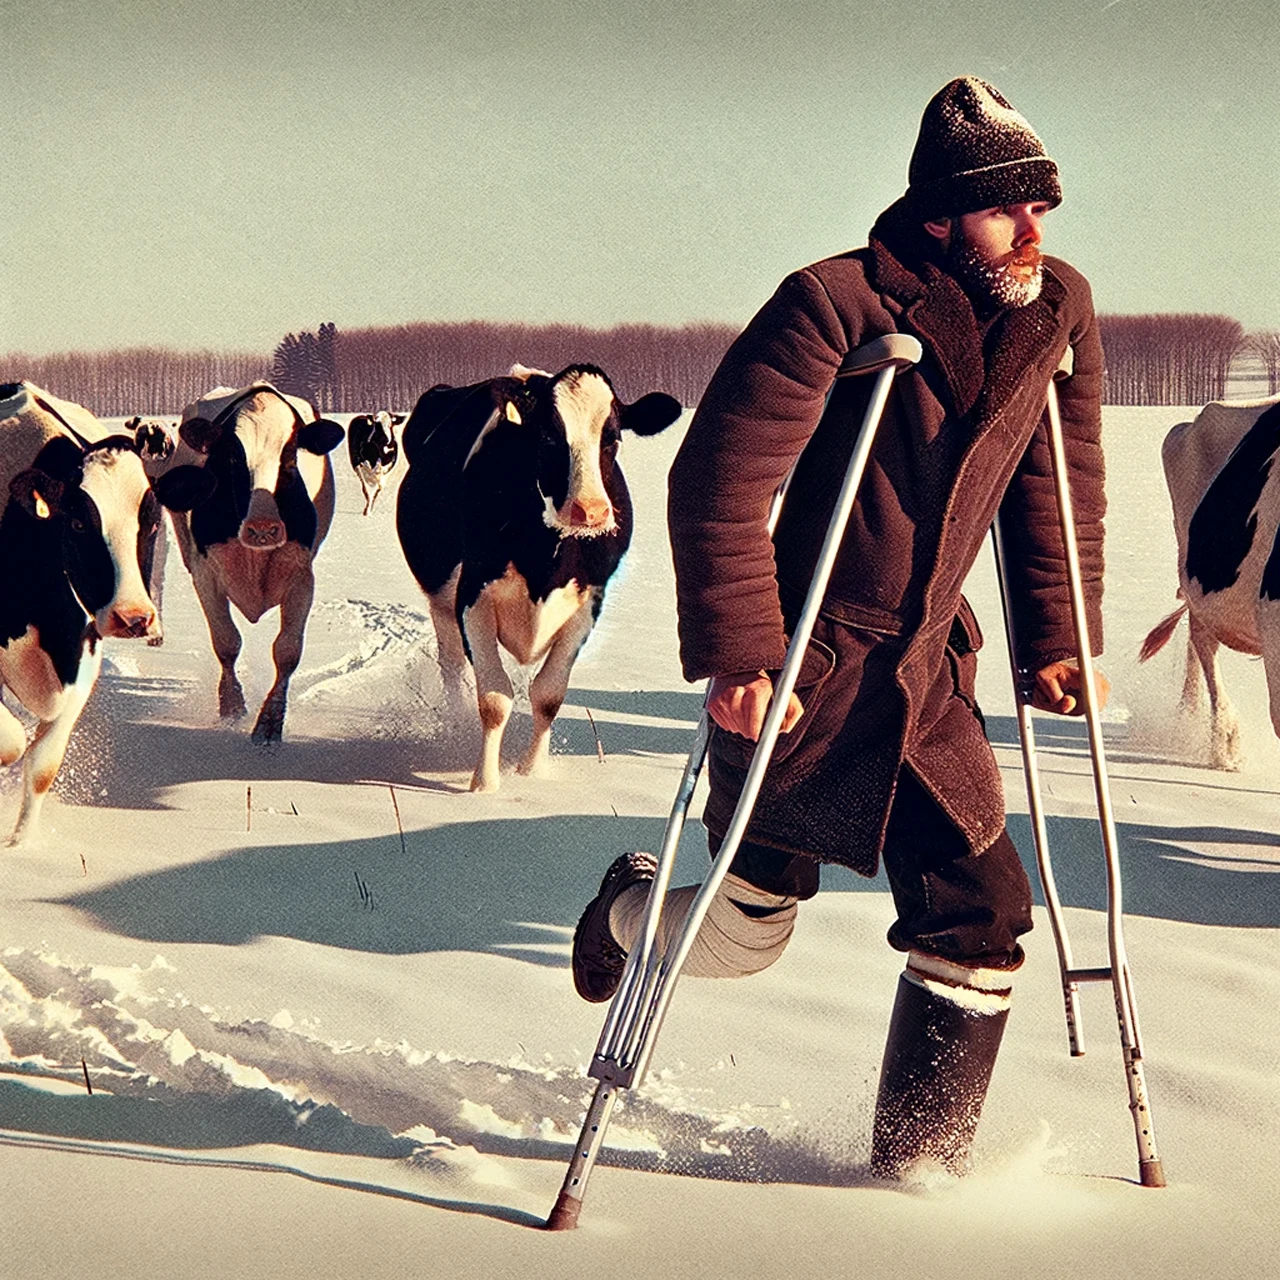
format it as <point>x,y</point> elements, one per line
<point>1150,359</point>
<point>1182,359</point>
<point>393,366</point>
<point>380,368</point>
<point>145,380</point>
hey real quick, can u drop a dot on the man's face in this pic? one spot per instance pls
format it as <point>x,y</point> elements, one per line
<point>995,253</point>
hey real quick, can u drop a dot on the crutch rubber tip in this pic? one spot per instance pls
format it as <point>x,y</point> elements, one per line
<point>1151,1173</point>
<point>564,1217</point>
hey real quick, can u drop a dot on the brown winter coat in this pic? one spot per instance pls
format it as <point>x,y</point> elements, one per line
<point>890,675</point>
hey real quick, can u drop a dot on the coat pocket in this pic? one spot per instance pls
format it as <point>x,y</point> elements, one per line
<point>819,662</point>
<point>965,636</point>
<point>963,642</point>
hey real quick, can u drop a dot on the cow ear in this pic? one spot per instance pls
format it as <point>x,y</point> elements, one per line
<point>151,440</point>
<point>62,459</point>
<point>37,493</point>
<point>397,419</point>
<point>199,434</point>
<point>321,436</point>
<point>182,488</point>
<point>650,414</point>
<point>510,398</point>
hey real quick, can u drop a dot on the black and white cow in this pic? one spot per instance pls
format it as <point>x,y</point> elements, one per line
<point>76,542</point>
<point>251,543</point>
<point>371,444</point>
<point>513,514</point>
<point>1226,514</point>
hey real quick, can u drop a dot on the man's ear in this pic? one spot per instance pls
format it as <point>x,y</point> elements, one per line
<point>940,229</point>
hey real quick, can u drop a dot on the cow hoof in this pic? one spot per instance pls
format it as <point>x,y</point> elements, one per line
<point>481,784</point>
<point>156,641</point>
<point>268,730</point>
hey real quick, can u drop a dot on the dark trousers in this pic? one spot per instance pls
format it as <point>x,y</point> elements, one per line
<point>968,908</point>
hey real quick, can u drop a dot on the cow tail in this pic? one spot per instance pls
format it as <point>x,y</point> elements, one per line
<point>1159,635</point>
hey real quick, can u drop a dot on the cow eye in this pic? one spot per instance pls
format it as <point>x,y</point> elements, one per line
<point>77,525</point>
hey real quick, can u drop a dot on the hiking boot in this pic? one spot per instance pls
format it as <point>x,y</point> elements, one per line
<point>598,960</point>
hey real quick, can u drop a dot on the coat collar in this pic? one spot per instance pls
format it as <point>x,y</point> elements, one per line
<point>938,311</point>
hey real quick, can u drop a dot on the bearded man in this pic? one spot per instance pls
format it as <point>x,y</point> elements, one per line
<point>883,753</point>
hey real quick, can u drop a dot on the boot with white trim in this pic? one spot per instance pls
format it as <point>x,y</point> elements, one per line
<point>945,1033</point>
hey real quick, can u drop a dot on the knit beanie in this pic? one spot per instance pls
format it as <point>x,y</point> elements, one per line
<point>976,152</point>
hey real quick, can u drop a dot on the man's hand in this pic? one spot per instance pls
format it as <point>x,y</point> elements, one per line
<point>1059,688</point>
<point>740,701</point>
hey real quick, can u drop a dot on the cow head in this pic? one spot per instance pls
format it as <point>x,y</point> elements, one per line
<point>574,422</point>
<point>261,499</point>
<point>153,439</point>
<point>98,508</point>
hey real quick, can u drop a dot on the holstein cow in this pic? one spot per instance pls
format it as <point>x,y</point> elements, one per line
<point>1226,513</point>
<point>371,444</point>
<point>76,543</point>
<point>156,443</point>
<point>513,514</point>
<point>252,542</point>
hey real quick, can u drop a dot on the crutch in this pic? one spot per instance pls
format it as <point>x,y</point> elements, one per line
<point>1150,1169</point>
<point>649,978</point>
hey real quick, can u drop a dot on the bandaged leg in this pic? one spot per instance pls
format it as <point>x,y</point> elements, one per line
<point>745,930</point>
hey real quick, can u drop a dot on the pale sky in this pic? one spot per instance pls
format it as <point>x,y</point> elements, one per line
<point>219,173</point>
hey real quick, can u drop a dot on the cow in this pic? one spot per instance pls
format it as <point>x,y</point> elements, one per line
<point>513,515</point>
<point>253,541</point>
<point>156,443</point>
<point>371,444</point>
<point>76,541</point>
<point>1226,514</point>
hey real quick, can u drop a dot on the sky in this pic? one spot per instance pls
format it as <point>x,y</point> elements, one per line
<point>216,175</point>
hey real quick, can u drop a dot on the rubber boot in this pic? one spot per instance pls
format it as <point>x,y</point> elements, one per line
<point>937,1065</point>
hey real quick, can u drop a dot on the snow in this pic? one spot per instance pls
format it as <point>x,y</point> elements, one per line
<point>328,962</point>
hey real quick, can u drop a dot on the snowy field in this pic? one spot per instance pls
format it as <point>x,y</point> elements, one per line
<point>322,992</point>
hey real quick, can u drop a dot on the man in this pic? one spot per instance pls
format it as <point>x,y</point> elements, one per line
<point>883,752</point>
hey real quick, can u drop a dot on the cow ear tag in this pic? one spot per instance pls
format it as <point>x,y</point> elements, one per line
<point>513,414</point>
<point>41,506</point>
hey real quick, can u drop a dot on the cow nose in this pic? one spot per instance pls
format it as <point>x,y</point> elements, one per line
<point>589,513</point>
<point>132,621</point>
<point>262,533</point>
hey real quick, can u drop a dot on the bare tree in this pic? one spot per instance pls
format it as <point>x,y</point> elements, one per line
<point>1265,346</point>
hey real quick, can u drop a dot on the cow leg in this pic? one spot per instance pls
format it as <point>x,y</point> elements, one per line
<point>1268,616</point>
<point>44,756</point>
<point>373,500</point>
<point>1224,725</point>
<point>155,587</point>
<point>449,651</point>
<point>494,694</point>
<point>547,690</point>
<point>13,737</point>
<point>226,644</point>
<point>1190,700</point>
<point>368,505</point>
<point>287,653</point>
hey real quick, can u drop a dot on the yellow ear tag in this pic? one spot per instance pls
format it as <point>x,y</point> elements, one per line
<point>513,414</point>
<point>42,507</point>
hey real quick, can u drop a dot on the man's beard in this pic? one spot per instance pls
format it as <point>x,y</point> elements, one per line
<point>994,282</point>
